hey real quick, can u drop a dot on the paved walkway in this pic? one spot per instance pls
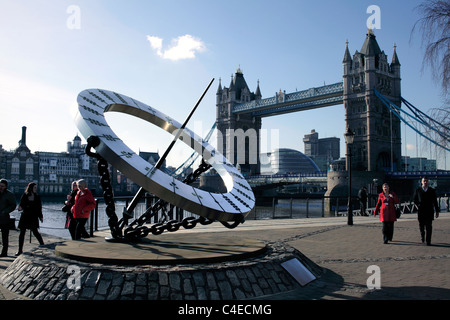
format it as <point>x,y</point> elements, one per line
<point>349,255</point>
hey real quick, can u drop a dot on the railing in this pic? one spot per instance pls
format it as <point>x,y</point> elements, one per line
<point>315,207</point>
<point>277,208</point>
<point>418,174</point>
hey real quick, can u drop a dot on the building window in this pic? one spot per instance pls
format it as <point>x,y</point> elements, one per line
<point>29,167</point>
<point>15,166</point>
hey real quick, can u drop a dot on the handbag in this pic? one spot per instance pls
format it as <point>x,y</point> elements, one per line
<point>12,224</point>
<point>398,212</point>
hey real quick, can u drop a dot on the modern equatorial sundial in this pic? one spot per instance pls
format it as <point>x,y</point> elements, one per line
<point>230,206</point>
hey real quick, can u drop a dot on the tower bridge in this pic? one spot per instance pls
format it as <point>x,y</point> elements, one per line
<point>377,143</point>
<point>367,75</point>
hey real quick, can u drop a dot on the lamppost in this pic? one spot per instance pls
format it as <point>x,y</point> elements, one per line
<point>349,137</point>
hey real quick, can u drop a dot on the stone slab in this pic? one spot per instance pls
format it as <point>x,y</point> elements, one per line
<point>162,250</point>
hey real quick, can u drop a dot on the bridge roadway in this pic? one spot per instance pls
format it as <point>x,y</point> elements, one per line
<point>279,179</point>
<point>312,98</point>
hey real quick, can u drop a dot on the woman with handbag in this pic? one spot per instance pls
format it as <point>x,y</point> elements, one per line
<point>386,206</point>
<point>31,207</point>
<point>69,203</point>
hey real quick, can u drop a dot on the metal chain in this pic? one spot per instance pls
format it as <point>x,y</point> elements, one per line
<point>136,229</point>
<point>171,226</point>
<point>105,182</point>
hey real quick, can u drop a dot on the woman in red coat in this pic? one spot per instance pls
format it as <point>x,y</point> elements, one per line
<point>84,204</point>
<point>386,206</point>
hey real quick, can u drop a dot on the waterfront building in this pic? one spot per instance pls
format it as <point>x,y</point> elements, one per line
<point>52,171</point>
<point>289,161</point>
<point>322,151</point>
<point>418,164</point>
<point>20,166</point>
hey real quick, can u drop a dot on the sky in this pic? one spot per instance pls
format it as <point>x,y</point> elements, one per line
<point>164,54</point>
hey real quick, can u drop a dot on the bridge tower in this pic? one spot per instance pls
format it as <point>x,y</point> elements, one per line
<point>377,144</point>
<point>238,135</point>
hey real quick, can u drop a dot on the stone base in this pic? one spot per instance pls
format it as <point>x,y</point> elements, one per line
<point>160,250</point>
<point>47,273</point>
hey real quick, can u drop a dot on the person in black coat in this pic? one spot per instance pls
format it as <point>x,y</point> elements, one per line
<point>362,196</point>
<point>7,205</point>
<point>69,203</point>
<point>426,201</point>
<point>31,207</point>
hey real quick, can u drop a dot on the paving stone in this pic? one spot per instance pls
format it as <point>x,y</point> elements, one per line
<point>225,290</point>
<point>114,293</point>
<point>103,287</point>
<point>187,286</point>
<point>211,281</point>
<point>128,288</point>
<point>175,281</point>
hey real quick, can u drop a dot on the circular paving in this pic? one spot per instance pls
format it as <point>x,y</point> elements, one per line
<point>161,250</point>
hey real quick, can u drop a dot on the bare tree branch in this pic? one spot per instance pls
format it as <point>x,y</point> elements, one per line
<point>435,27</point>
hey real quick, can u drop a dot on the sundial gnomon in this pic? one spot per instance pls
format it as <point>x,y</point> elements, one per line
<point>228,207</point>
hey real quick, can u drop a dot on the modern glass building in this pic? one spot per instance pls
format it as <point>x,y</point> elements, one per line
<point>287,161</point>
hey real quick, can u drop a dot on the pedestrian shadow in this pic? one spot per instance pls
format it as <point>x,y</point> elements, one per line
<point>331,286</point>
<point>408,293</point>
<point>415,243</point>
<point>444,245</point>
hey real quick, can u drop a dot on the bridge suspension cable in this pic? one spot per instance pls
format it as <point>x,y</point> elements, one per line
<point>190,160</point>
<point>418,117</point>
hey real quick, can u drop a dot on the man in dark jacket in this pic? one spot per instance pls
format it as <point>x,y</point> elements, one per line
<point>362,196</point>
<point>426,201</point>
<point>7,205</point>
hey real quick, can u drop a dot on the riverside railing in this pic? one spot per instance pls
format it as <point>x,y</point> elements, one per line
<point>275,208</point>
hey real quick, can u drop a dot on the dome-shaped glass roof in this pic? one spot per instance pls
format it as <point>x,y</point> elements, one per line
<point>285,161</point>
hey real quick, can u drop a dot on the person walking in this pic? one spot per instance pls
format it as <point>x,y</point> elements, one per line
<point>426,201</point>
<point>31,207</point>
<point>69,203</point>
<point>84,204</point>
<point>67,208</point>
<point>7,205</point>
<point>362,196</point>
<point>386,206</point>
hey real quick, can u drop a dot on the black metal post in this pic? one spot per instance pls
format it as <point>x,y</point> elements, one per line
<point>161,160</point>
<point>349,136</point>
<point>349,169</point>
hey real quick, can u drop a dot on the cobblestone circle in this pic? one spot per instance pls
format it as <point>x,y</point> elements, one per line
<point>41,275</point>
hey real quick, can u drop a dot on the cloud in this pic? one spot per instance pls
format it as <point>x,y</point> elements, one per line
<point>156,43</point>
<point>183,47</point>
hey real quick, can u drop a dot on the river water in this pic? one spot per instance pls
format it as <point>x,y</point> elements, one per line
<point>54,218</point>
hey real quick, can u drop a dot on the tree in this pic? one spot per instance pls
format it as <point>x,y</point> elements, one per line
<point>435,27</point>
